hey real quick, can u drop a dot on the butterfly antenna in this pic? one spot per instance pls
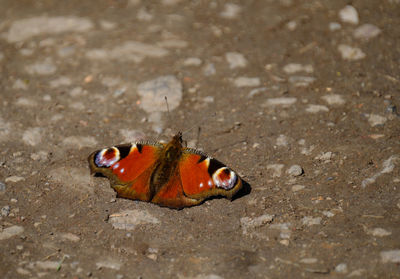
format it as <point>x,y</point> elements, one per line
<point>168,113</point>
<point>198,137</point>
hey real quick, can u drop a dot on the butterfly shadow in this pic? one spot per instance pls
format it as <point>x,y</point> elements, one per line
<point>245,190</point>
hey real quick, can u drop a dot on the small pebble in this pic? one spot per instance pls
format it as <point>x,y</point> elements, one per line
<point>311,108</point>
<point>379,232</point>
<point>309,260</point>
<point>295,170</point>
<point>375,120</point>
<point>295,68</point>
<point>296,188</point>
<point>351,53</point>
<point>341,268</point>
<point>235,60</point>
<point>230,11</point>
<point>333,99</point>
<point>5,210</point>
<point>310,221</point>
<point>14,179</point>
<point>192,61</point>
<point>349,15</point>
<point>366,31</point>
<point>301,81</point>
<point>209,69</point>
<point>391,256</point>
<point>246,82</point>
<point>333,26</point>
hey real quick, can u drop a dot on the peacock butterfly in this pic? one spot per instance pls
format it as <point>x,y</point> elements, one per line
<point>165,174</point>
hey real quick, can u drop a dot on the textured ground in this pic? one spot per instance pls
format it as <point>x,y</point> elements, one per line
<point>304,95</point>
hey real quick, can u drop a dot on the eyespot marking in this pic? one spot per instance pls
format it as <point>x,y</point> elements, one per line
<point>107,157</point>
<point>224,178</point>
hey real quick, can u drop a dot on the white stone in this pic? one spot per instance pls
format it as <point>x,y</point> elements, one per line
<point>137,48</point>
<point>295,170</point>
<point>256,91</point>
<point>324,156</point>
<point>301,81</point>
<point>128,51</point>
<point>366,31</point>
<point>154,92</point>
<point>375,120</point>
<point>25,102</point>
<point>230,11</point>
<point>248,223</point>
<point>144,15</point>
<point>391,256</point>
<point>387,167</point>
<point>23,29</point>
<point>22,271</point>
<point>70,236</point>
<point>379,232</point>
<point>235,60</point>
<point>109,263</point>
<point>78,142</point>
<point>14,179</point>
<point>173,43</point>
<point>46,67</point>
<point>40,156</point>
<point>60,81</point>
<point>334,99</point>
<point>311,108</point>
<point>334,26</point>
<point>107,25</point>
<point>48,265</point>
<point>296,188</point>
<point>309,260</point>
<point>276,169</point>
<point>19,84</point>
<point>130,219</point>
<point>310,221</point>
<point>282,140</point>
<point>209,69</point>
<point>349,15</point>
<point>350,53</point>
<point>291,25</point>
<point>32,136</point>
<point>328,214</point>
<point>341,268</point>
<point>192,61</point>
<point>11,232</point>
<point>293,68</point>
<point>282,101</point>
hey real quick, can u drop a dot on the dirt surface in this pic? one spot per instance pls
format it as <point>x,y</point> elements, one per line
<point>304,96</point>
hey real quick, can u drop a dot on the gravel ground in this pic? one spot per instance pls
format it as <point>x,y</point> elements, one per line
<point>299,97</point>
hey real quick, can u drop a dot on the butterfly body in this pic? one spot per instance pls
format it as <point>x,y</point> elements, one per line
<point>166,174</point>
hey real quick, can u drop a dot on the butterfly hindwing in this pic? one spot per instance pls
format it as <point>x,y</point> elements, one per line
<point>203,176</point>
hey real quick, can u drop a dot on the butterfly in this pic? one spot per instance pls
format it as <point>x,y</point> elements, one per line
<point>165,174</point>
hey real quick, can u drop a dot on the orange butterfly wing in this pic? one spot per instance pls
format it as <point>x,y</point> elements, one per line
<point>128,167</point>
<point>203,177</point>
